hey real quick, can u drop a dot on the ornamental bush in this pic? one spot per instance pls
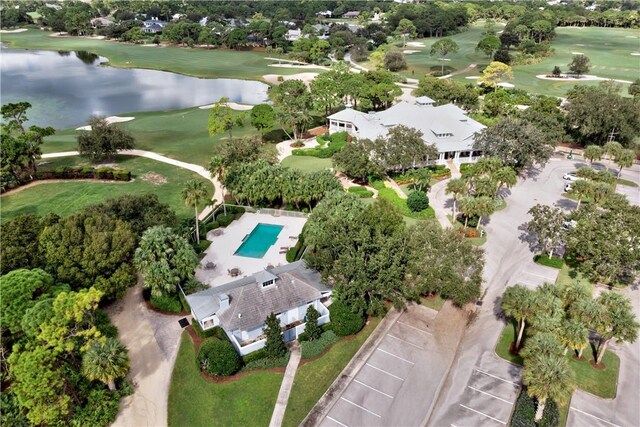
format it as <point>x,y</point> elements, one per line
<point>225,220</point>
<point>311,349</point>
<point>524,412</point>
<point>345,322</point>
<point>418,201</point>
<point>167,303</point>
<point>218,358</point>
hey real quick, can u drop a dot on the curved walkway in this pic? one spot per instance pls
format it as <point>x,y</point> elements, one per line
<point>217,193</point>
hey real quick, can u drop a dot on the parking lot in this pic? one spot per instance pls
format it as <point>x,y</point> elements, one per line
<point>401,377</point>
<point>489,395</point>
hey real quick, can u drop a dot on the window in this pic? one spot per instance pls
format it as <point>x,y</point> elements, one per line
<point>268,283</point>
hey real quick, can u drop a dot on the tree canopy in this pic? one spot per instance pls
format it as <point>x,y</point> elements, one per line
<point>103,140</point>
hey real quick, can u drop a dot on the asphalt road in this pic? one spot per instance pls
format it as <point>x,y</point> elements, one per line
<point>401,376</point>
<point>509,261</point>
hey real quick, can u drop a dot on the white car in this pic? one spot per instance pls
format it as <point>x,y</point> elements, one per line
<point>570,176</point>
<point>568,187</point>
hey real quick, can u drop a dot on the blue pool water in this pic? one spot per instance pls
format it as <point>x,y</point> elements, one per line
<point>258,242</point>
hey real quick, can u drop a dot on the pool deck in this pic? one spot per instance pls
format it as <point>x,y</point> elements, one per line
<point>222,248</point>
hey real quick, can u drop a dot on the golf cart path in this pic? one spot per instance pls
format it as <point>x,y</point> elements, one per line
<point>217,194</point>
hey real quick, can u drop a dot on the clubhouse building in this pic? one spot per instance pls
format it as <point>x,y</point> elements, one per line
<point>447,127</point>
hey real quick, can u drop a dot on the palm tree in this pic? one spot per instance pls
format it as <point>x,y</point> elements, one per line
<point>612,148</point>
<point>575,335</point>
<point>505,177</point>
<point>457,188</point>
<point>467,206</point>
<point>582,188</point>
<point>484,206</point>
<point>193,193</point>
<point>540,345</point>
<point>617,321</point>
<point>105,361</point>
<point>548,377</point>
<point>624,159</point>
<point>518,303</point>
<point>593,152</point>
<point>600,191</point>
<point>216,168</point>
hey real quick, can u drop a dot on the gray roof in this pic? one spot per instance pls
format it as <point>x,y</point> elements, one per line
<point>424,100</point>
<point>250,303</point>
<point>445,119</point>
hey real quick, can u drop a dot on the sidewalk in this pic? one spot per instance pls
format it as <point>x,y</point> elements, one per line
<point>285,387</point>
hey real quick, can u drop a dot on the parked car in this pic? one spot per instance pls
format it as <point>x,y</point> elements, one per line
<point>570,176</point>
<point>568,187</point>
<point>567,225</point>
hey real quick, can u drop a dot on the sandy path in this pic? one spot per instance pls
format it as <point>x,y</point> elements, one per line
<point>305,77</point>
<point>18,30</point>
<point>152,340</point>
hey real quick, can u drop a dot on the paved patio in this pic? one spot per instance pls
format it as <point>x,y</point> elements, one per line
<point>222,248</point>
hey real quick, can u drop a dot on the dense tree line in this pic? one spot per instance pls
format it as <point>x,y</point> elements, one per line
<point>369,256</point>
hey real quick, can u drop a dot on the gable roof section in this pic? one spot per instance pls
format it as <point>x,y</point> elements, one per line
<point>250,303</point>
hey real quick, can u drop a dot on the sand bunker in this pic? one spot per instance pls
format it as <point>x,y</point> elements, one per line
<point>232,105</point>
<point>409,52</point>
<point>110,119</point>
<point>298,66</point>
<point>583,78</point>
<point>472,77</point>
<point>635,53</point>
<point>506,85</point>
<point>577,53</point>
<point>415,44</point>
<point>154,178</point>
<point>305,77</point>
<point>19,30</point>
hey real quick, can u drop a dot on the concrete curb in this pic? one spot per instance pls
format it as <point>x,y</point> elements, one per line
<point>322,407</point>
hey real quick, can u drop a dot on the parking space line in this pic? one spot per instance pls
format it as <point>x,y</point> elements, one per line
<point>336,421</point>
<point>418,329</point>
<point>361,407</point>
<point>483,414</point>
<point>593,416</point>
<point>498,378</point>
<point>397,357</point>
<point>373,388</point>
<point>382,370</point>
<point>405,341</point>
<point>489,394</point>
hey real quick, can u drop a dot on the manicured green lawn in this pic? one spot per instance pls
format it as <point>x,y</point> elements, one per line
<point>435,302</point>
<point>64,198</point>
<point>195,402</point>
<point>199,62</point>
<point>179,134</point>
<point>306,163</point>
<point>314,378</point>
<point>600,382</point>
<point>626,182</point>
<point>543,259</point>
<point>390,195</point>
<point>608,48</point>
<point>568,274</point>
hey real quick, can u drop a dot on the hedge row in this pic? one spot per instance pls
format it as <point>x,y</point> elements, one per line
<point>167,303</point>
<point>294,253</point>
<point>311,349</point>
<point>336,142</point>
<point>215,332</point>
<point>553,262</point>
<point>361,192</point>
<point>525,411</point>
<point>84,172</point>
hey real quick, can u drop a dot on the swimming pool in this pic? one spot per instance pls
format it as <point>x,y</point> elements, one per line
<point>258,242</point>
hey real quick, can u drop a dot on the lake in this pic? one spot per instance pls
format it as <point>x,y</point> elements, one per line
<point>66,88</point>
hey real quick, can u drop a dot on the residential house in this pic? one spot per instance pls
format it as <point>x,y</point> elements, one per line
<point>351,15</point>
<point>446,126</point>
<point>153,25</point>
<point>293,35</point>
<point>100,22</point>
<point>241,307</point>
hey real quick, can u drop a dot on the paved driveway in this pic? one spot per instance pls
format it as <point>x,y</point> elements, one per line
<point>401,376</point>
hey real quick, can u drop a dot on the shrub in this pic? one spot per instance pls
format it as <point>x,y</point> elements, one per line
<point>219,358</point>
<point>345,322</point>
<point>200,247</point>
<point>274,347</point>
<point>258,360</point>
<point>418,201</point>
<point>543,259</point>
<point>361,192</point>
<point>169,303</point>
<point>294,253</point>
<point>524,412</point>
<point>550,415</point>
<point>225,220</point>
<point>216,331</point>
<point>312,330</point>
<point>337,141</point>
<point>377,184</point>
<point>212,225</point>
<point>291,254</point>
<point>472,222</point>
<point>310,349</point>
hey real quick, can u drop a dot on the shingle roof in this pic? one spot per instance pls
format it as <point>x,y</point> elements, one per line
<point>250,303</point>
<point>445,119</point>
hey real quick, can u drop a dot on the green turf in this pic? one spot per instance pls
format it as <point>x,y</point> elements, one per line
<point>195,402</point>
<point>600,382</point>
<point>178,134</point>
<point>64,198</point>
<point>199,62</point>
<point>435,302</point>
<point>306,163</point>
<point>569,273</point>
<point>608,48</point>
<point>629,183</point>
<point>390,195</point>
<point>314,378</point>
